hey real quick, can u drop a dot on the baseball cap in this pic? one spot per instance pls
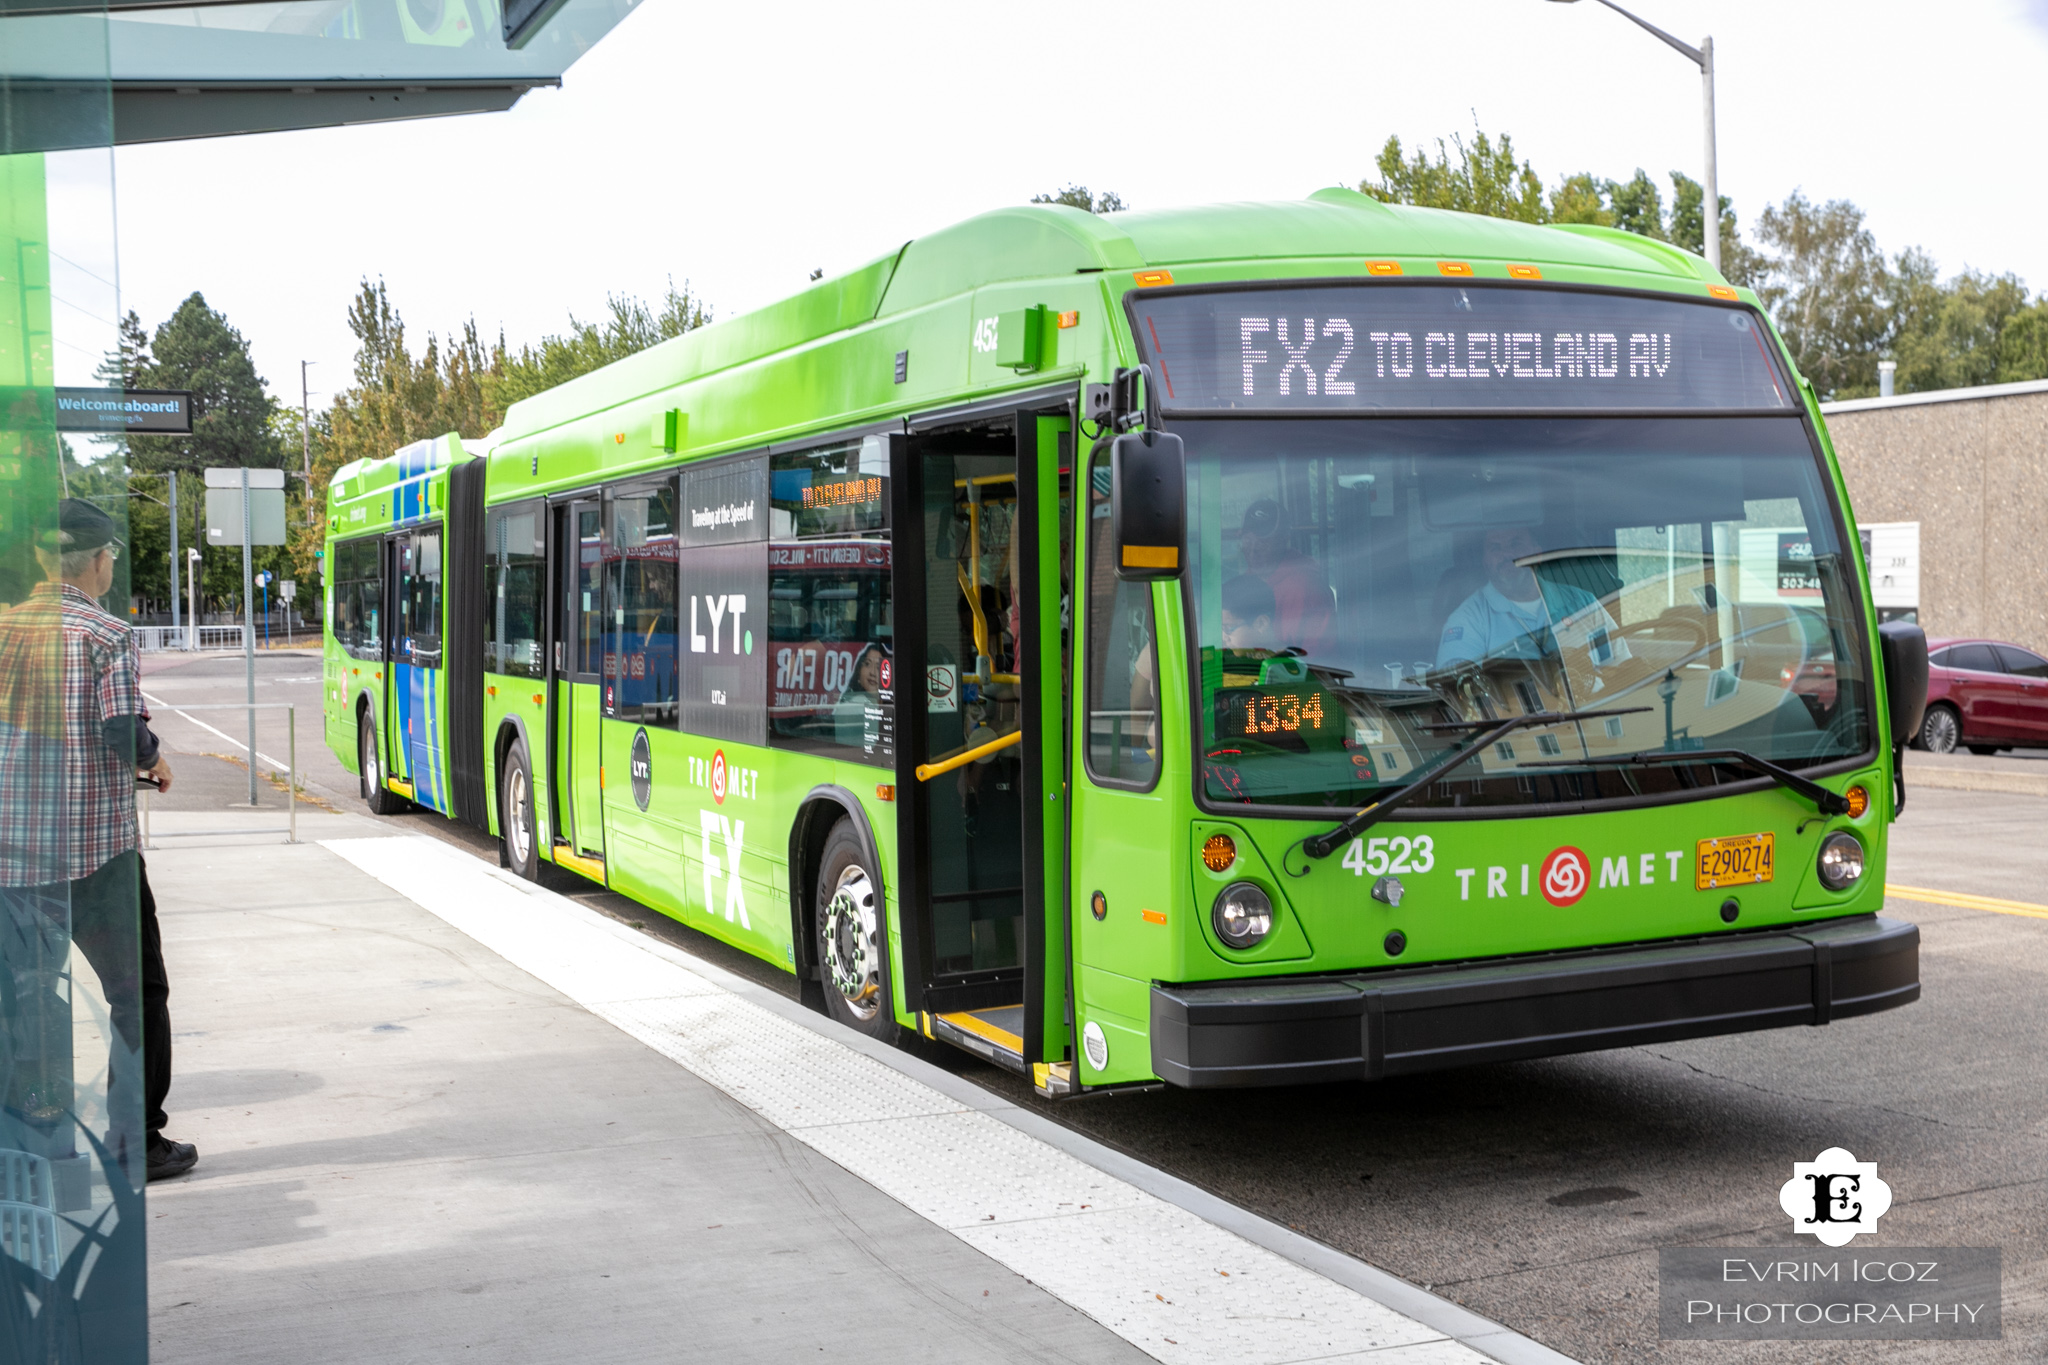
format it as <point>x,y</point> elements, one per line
<point>82,526</point>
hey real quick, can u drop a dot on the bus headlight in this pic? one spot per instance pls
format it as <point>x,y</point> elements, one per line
<point>1243,915</point>
<point>1841,860</point>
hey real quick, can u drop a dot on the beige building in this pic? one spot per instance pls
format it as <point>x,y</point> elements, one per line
<point>1971,467</point>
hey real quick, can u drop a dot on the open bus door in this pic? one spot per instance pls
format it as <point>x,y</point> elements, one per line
<point>980,741</point>
<point>576,614</point>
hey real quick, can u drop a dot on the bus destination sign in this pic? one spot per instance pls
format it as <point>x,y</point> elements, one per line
<point>1446,347</point>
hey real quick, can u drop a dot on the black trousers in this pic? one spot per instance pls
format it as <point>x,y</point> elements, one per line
<point>112,914</point>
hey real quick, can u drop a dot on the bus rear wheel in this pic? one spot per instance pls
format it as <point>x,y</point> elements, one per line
<point>515,812</point>
<point>853,938</point>
<point>370,763</point>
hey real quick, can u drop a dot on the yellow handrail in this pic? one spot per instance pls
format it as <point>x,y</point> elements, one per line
<point>927,771</point>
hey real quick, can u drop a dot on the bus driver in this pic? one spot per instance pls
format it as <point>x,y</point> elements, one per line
<point>1516,615</point>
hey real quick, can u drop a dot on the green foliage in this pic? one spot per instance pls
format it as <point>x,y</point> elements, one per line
<point>1829,289</point>
<point>1078,197</point>
<point>1486,179</point>
<point>2023,345</point>
<point>457,384</point>
<point>196,349</point>
<point>586,346</point>
<point>1948,336</point>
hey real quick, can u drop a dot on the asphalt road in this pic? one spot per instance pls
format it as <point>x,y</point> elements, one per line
<point>1538,1193</point>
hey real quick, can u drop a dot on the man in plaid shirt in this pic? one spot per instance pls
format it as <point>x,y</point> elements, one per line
<point>73,735</point>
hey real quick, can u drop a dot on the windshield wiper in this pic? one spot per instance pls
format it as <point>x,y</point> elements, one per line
<point>1324,844</point>
<point>1827,802</point>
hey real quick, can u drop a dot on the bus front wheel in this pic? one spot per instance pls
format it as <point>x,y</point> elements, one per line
<point>370,762</point>
<point>515,812</point>
<point>853,939</point>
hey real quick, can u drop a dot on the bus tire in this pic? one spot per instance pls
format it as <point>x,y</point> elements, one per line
<point>853,937</point>
<point>370,762</point>
<point>515,813</point>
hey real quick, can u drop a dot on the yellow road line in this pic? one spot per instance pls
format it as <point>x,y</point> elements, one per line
<point>1967,902</point>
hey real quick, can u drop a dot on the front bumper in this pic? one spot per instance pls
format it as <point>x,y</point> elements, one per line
<point>1291,1031</point>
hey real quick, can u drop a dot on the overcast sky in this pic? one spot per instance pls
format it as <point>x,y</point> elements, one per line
<point>740,146</point>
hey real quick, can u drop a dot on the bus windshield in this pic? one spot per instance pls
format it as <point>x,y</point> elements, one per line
<point>1362,588</point>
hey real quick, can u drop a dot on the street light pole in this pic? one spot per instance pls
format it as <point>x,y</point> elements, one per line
<point>1703,57</point>
<point>306,395</point>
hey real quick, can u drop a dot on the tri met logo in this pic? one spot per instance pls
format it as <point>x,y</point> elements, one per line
<point>1567,874</point>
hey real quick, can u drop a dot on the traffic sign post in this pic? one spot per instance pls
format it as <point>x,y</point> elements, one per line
<point>246,507</point>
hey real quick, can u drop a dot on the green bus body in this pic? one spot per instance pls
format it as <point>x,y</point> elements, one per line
<point>1042,890</point>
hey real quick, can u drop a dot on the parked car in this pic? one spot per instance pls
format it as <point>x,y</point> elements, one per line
<point>1984,695</point>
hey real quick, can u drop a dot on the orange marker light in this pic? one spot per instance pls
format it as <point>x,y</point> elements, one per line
<point>1148,278</point>
<point>1382,267</point>
<point>492,690</point>
<point>884,792</point>
<point>1071,318</point>
<point>620,439</point>
<point>1721,291</point>
<point>1154,916</point>
<point>1524,272</point>
<point>1453,268</point>
<point>1218,852</point>
<point>536,699</point>
<point>1859,802</point>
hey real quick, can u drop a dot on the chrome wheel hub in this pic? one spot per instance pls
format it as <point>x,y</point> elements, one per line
<point>1940,733</point>
<point>515,817</point>
<point>372,779</point>
<point>847,928</point>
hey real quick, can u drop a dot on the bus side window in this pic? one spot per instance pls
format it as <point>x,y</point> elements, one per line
<point>358,598</point>
<point>514,586</point>
<point>1122,686</point>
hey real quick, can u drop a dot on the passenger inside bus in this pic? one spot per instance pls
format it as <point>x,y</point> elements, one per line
<point>850,715</point>
<point>1304,604</point>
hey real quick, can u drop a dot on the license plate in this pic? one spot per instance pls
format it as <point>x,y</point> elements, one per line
<point>1736,860</point>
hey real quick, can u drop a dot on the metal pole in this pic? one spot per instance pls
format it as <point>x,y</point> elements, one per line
<point>177,560</point>
<point>306,420</point>
<point>291,777</point>
<point>249,628</point>
<point>1713,187</point>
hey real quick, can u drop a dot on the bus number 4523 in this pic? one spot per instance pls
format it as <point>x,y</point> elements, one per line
<point>1396,854</point>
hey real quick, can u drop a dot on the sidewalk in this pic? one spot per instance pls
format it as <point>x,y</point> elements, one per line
<point>2022,772</point>
<point>474,1119</point>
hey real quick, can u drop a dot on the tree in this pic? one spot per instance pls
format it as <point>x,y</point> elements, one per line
<point>1486,179</point>
<point>1949,336</point>
<point>1078,197</point>
<point>1829,288</point>
<point>196,349</point>
<point>586,346</point>
<point>2023,345</point>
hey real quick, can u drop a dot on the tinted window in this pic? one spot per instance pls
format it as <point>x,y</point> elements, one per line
<point>1123,658</point>
<point>1939,658</point>
<point>2022,661</point>
<point>419,599</point>
<point>359,598</point>
<point>515,568</point>
<point>1977,658</point>
<point>831,623</point>
<point>640,570</point>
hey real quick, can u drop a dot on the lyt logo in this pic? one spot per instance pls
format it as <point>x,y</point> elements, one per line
<point>1835,1197</point>
<point>716,611</point>
<point>732,836</point>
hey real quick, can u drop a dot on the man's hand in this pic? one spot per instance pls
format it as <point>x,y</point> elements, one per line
<point>161,772</point>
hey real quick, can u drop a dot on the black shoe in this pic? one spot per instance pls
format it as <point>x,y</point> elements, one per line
<point>168,1158</point>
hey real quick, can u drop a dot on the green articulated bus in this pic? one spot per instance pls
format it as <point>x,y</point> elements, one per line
<point>1228,646</point>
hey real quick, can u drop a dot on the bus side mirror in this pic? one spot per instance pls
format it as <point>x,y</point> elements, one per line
<point>1904,647</point>
<point>1148,504</point>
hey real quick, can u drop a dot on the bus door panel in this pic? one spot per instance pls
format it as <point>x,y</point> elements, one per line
<point>417,740</point>
<point>961,607</point>
<point>392,707</point>
<point>577,665</point>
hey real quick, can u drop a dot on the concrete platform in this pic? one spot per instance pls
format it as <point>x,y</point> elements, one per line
<point>476,1119</point>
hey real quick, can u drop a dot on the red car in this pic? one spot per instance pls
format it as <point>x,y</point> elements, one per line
<point>1984,695</point>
